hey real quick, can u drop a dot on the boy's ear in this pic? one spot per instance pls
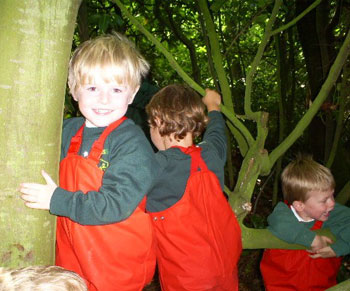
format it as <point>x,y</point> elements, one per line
<point>298,205</point>
<point>132,97</point>
<point>74,97</point>
<point>157,121</point>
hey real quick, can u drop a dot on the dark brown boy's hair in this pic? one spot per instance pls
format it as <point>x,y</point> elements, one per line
<point>177,109</point>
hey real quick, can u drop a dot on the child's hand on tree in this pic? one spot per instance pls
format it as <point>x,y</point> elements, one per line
<point>38,195</point>
<point>212,100</point>
<point>326,252</point>
<point>320,242</point>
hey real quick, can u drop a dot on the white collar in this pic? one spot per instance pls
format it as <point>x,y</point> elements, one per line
<point>298,217</point>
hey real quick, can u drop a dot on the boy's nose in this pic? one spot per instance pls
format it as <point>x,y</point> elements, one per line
<point>331,203</point>
<point>103,98</point>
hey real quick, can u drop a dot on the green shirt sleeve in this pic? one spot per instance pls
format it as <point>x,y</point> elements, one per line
<point>215,134</point>
<point>284,225</point>
<point>339,224</point>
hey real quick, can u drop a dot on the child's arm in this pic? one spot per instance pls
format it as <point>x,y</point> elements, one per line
<point>214,135</point>
<point>125,182</point>
<point>283,224</point>
<point>339,224</point>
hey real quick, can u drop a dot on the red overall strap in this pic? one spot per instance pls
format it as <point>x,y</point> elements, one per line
<point>318,224</point>
<point>76,141</point>
<point>97,147</point>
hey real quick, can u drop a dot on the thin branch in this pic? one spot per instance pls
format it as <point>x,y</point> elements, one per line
<point>296,19</point>
<point>244,29</point>
<point>216,54</point>
<point>165,52</point>
<point>261,191</point>
<point>238,124</point>
<point>340,118</point>
<point>321,97</point>
<point>249,80</point>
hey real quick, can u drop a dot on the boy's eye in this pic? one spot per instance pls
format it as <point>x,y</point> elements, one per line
<point>116,90</point>
<point>92,89</point>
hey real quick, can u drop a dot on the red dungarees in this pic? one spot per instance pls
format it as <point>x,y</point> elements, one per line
<point>294,270</point>
<point>198,238</point>
<point>118,256</point>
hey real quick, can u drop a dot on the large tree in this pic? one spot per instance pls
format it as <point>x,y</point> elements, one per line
<point>35,45</point>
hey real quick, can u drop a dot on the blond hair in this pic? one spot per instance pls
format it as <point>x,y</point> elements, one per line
<point>40,278</point>
<point>304,175</point>
<point>177,109</point>
<point>112,56</point>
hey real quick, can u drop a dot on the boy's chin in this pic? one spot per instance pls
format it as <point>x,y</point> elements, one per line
<point>100,123</point>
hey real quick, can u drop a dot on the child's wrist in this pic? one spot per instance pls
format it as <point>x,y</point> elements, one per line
<point>213,108</point>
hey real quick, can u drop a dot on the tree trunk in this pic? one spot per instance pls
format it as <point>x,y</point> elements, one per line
<point>35,44</point>
<point>318,49</point>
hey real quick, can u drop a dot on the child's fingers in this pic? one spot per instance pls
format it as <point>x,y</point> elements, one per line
<point>33,205</point>
<point>29,197</point>
<point>30,188</point>
<point>328,240</point>
<point>47,178</point>
<point>315,256</point>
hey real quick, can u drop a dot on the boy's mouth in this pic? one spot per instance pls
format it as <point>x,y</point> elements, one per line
<point>102,111</point>
<point>326,214</point>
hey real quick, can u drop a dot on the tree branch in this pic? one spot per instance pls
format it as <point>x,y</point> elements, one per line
<point>322,95</point>
<point>254,65</point>
<point>216,54</point>
<point>165,52</point>
<point>296,19</point>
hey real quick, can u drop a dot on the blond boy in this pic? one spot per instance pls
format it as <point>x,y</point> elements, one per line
<point>107,167</point>
<point>308,189</point>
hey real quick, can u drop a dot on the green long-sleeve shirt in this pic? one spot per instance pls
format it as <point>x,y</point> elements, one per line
<point>130,168</point>
<point>284,224</point>
<point>174,165</point>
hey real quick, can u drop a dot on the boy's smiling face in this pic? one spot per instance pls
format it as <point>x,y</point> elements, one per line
<point>318,206</point>
<point>102,102</point>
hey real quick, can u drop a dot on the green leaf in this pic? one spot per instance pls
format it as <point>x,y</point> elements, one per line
<point>215,7</point>
<point>104,22</point>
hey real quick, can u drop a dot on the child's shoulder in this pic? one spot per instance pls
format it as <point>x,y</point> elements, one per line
<point>73,123</point>
<point>170,157</point>
<point>127,131</point>
<point>163,157</point>
<point>281,208</point>
<point>70,127</point>
<point>129,139</point>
